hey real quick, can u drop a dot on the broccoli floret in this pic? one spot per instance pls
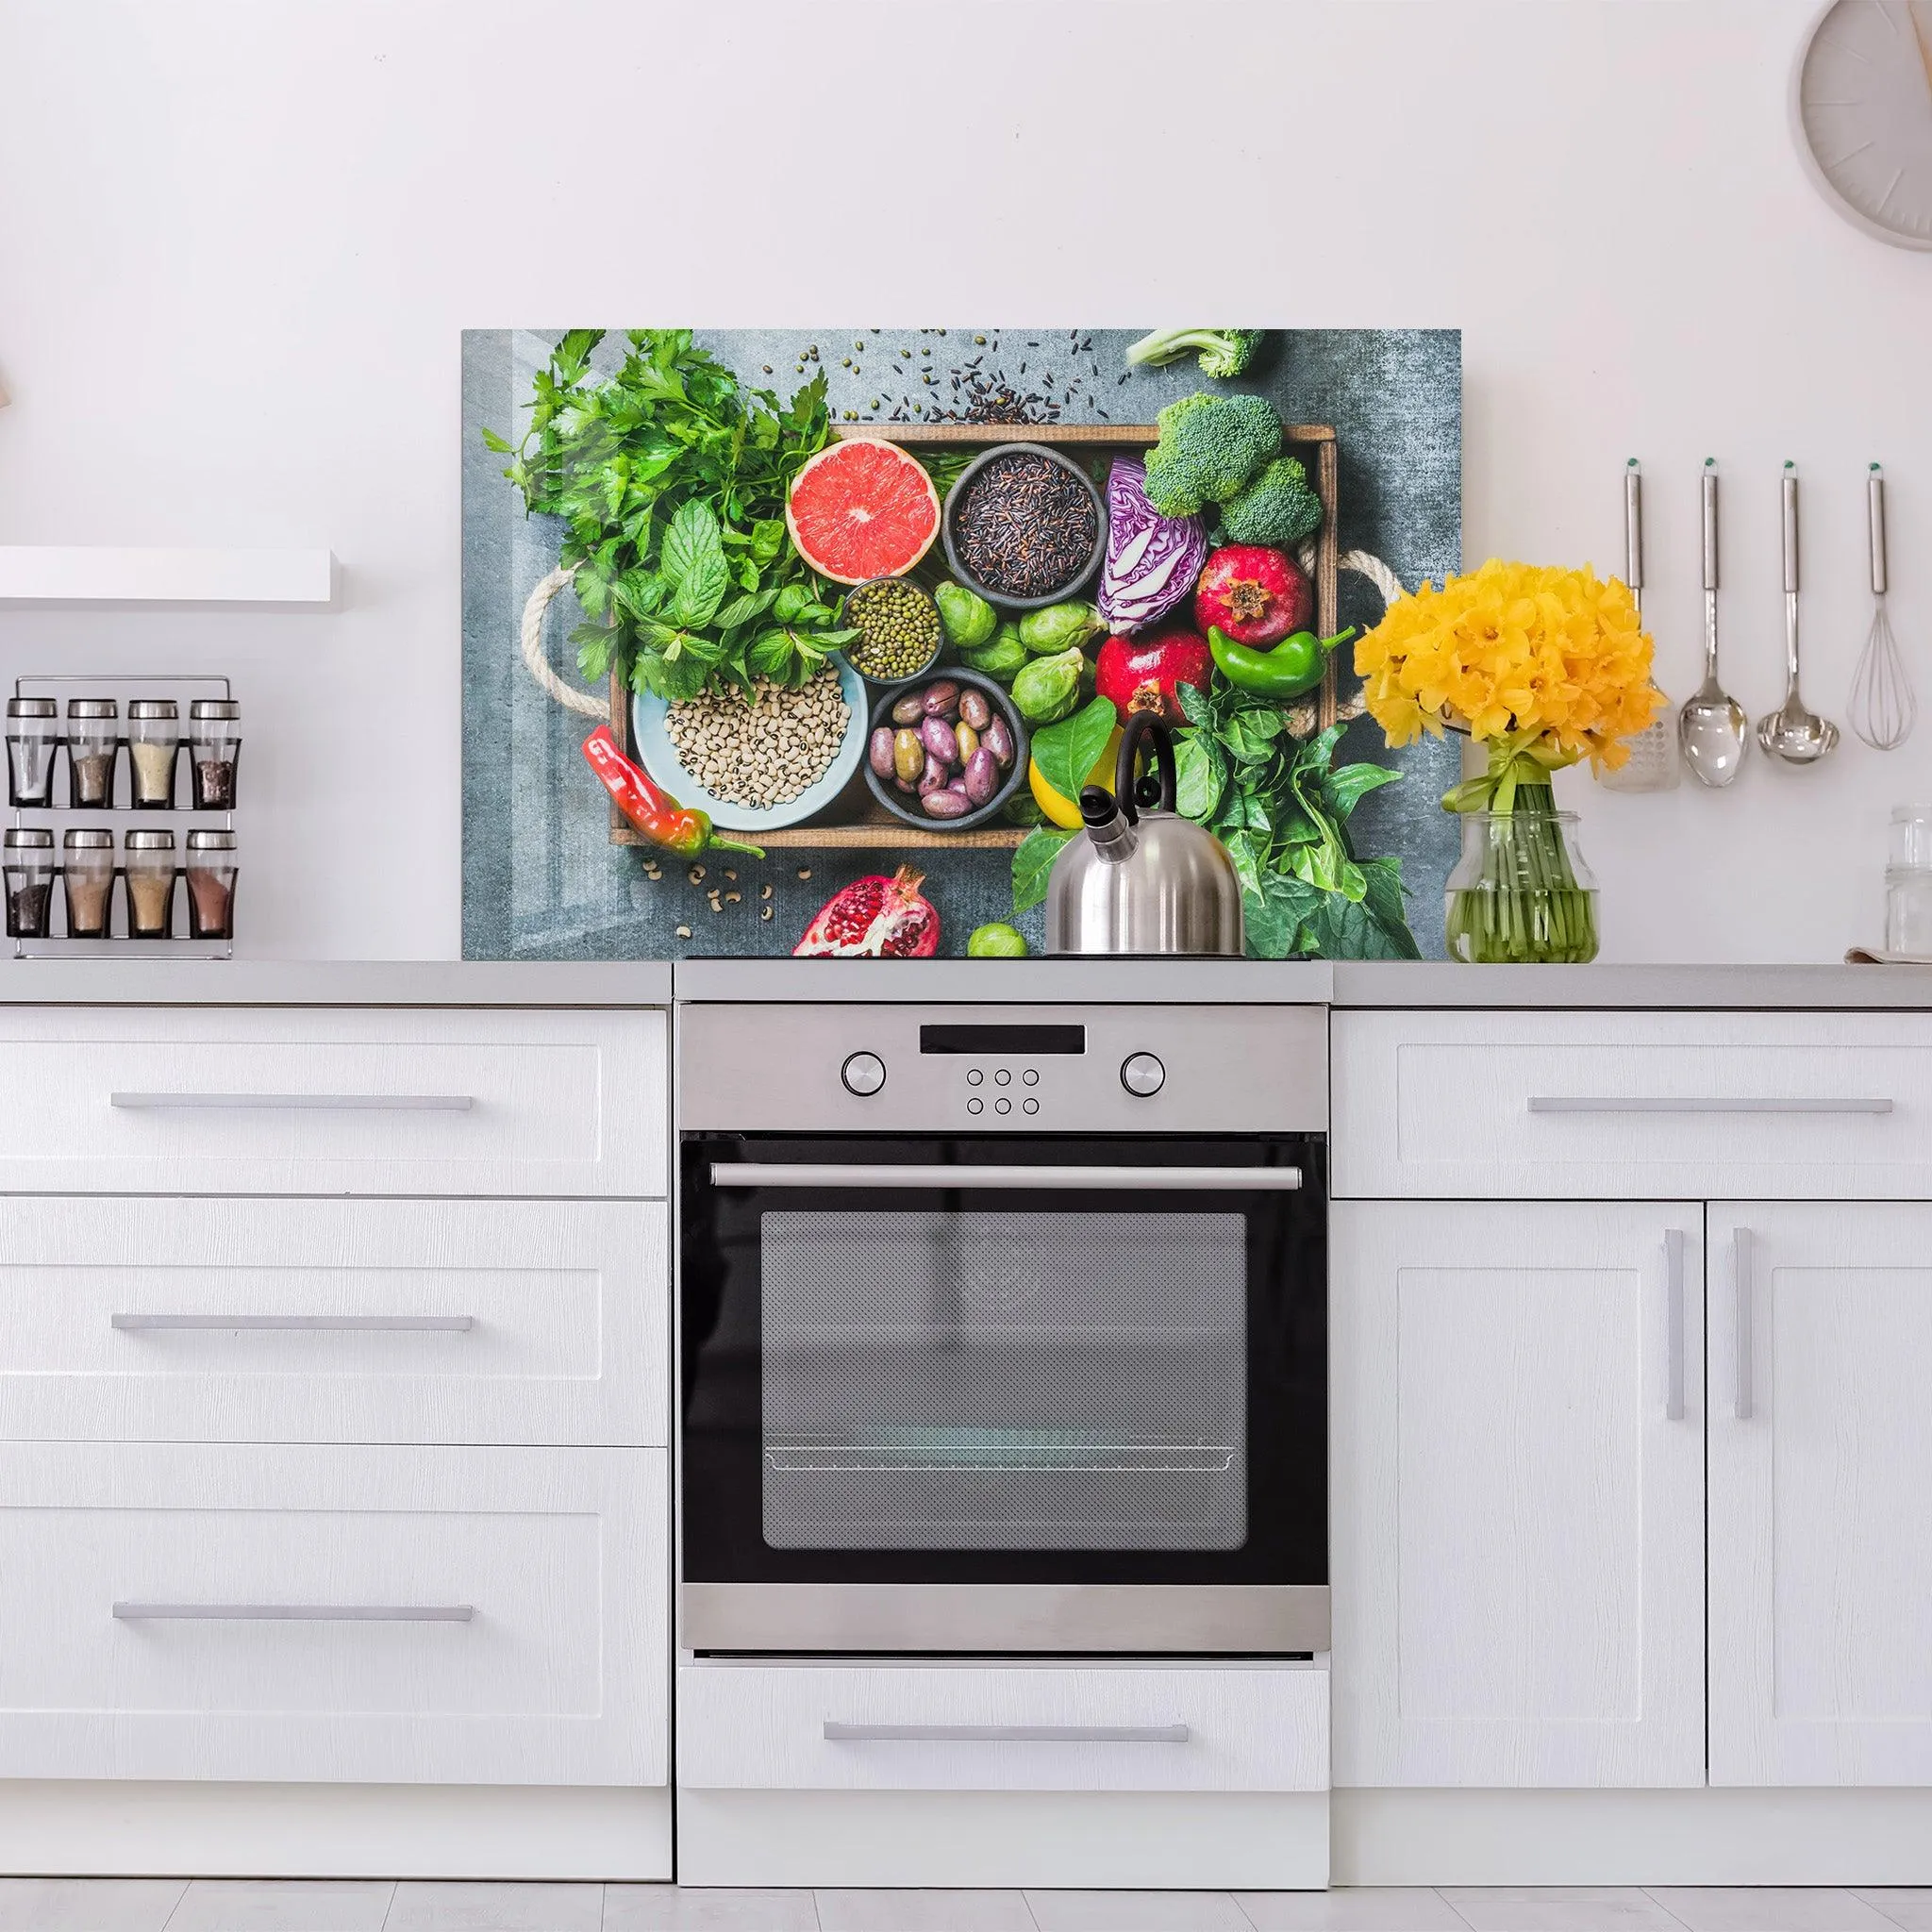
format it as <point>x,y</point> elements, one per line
<point>1224,352</point>
<point>1209,446</point>
<point>1278,508</point>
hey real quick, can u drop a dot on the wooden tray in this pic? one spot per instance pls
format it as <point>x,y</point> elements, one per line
<point>855,819</point>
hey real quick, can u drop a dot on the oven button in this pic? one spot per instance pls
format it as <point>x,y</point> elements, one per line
<point>975,1104</point>
<point>1142,1073</point>
<point>974,1076</point>
<point>1031,1105</point>
<point>1031,1076</point>
<point>1003,1078</point>
<point>863,1074</point>
<point>1003,1106</point>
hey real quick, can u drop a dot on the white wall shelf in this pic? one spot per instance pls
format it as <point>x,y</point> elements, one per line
<point>44,573</point>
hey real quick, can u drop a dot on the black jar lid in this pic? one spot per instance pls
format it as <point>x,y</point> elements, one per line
<point>214,708</point>
<point>28,837</point>
<point>154,708</point>
<point>88,838</point>
<point>149,841</point>
<point>32,708</point>
<point>93,708</point>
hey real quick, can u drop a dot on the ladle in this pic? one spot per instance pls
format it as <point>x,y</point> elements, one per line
<point>1711,727</point>
<point>1798,736</point>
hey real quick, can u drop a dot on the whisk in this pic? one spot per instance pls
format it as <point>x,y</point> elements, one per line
<point>1883,706</point>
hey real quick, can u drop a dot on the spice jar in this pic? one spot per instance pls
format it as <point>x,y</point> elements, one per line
<point>214,744</point>
<point>153,744</point>
<point>29,869</point>
<point>33,733</point>
<point>87,867</point>
<point>93,743</point>
<point>148,860</point>
<point>211,867</point>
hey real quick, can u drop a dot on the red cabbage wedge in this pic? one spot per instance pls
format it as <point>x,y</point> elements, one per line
<point>1152,561</point>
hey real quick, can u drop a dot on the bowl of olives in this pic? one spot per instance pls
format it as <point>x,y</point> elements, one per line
<point>945,753</point>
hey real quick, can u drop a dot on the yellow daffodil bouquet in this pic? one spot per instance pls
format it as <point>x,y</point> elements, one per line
<point>1546,667</point>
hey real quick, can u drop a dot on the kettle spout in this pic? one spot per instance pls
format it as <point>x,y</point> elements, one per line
<point>1109,830</point>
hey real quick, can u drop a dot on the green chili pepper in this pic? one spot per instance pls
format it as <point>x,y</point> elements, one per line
<point>1292,667</point>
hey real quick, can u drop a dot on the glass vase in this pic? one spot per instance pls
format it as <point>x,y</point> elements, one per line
<point>1520,894</point>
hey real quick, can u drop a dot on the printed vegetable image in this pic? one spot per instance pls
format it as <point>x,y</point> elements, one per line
<point>862,508</point>
<point>875,918</point>
<point>651,809</point>
<point>1252,595</point>
<point>1152,561</point>
<point>1285,670</point>
<point>969,621</point>
<point>1278,506</point>
<point>1145,673</point>
<point>1209,446</point>
<point>1046,689</point>
<point>1002,658</point>
<point>1070,756</point>
<point>1223,352</point>
<point>1061,627</point>
<point>996,940</point>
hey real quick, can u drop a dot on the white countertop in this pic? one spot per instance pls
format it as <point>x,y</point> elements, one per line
<point>333,983</point>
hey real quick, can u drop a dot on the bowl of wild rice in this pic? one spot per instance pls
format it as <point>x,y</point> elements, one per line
<point>1024,527</point>
<point>757,761</point>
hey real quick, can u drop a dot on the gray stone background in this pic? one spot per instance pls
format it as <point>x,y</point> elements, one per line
<point>540,878</point>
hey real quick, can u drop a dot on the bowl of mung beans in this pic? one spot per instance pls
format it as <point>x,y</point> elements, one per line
<point>898,625</point>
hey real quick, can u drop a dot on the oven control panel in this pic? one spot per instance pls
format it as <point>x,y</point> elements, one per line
<point>1103,1068</point>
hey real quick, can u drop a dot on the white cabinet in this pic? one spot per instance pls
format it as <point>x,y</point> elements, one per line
<point>1820,1494</point>
<point>1518,1493</point>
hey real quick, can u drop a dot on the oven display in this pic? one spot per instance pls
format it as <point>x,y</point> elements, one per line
<point>1015,1042</point>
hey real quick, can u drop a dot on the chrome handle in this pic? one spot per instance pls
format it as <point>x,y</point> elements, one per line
<point>1740,1280</point>
<point>1710,524</point>
<point>1875,508</point>
<point>837,1733</point>
<point>1673,1325</point>
<point>833,1174</point>
<point>1577,1102</point>
<point>304,1323</point>
<point>333,1103</point>
<point>1791,504</point>
<point>1633,531</point>
<point>296,1613</point>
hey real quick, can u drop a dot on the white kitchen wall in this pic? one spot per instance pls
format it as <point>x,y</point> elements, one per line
<point>238,239</point>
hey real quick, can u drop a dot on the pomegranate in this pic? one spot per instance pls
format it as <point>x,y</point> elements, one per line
<point>875,918</point>
<point>1143,674</point>
<point>1252,595</point>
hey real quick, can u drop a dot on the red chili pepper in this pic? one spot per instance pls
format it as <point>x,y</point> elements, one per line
<point>651,809</point>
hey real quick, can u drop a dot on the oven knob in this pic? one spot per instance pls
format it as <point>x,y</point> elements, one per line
<point>1142,1074</point>
<point>863,1074</point>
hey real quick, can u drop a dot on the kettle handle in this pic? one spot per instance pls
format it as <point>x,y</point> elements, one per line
<point>1151,725</point>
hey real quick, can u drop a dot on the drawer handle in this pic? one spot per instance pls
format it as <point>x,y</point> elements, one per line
<point>1740,1284</point>
<point>331,1103</point>
<point>1673,1325</point>
<point>832,1173</point>
<point>296,1613</point>
<point>304,1323</point>
<point>837,1733</point>
<point>1571,1103</point>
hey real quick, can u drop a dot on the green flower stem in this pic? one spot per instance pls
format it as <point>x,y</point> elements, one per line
<point>1528,908</point>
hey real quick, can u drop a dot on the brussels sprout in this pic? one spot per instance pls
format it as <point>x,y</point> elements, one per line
<point>1022,809</point>
<point>1060,626</point>
<point>969,621</point>
<point>1001,657</point>
<point>996,942</point>
<point>1045,690</point>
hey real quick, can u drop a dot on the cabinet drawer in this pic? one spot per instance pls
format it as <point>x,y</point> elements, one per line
<point>448,1616</point>
<point>332,1101</point>
<point>134,1317</point>
<point>1633,1105</point>
<point>1055,1727</point>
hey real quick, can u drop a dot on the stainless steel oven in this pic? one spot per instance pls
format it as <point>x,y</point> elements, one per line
<point>1002,1329</point>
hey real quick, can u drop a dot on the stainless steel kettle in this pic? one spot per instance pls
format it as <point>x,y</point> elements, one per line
<point>1139,878</point>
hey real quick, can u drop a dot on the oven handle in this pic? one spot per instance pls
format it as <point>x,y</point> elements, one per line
<point>833,1174</point>
<point>837,1733</point>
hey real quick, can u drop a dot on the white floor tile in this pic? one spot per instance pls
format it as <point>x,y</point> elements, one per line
<point>284,1905</point>
<point>706,1909</point>
<point>1137,1911</point>
<point>1369,1908</point>
<point>422,1905</point>
<point>1766,1908</point>
<point>1902,1904</point>
<point>1559,1908</point>
<point>88,1905</point>
<point>924,1911</point>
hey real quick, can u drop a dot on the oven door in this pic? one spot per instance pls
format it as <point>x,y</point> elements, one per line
<point>1004,1393</point>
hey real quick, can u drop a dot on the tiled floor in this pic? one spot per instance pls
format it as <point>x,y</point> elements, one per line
<point>172,1904</point>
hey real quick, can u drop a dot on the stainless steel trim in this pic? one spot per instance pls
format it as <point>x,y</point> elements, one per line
<point>1740,1282</point>
<point>837,1733</point>
<point>1568,1102</point>
<point>359,1103</point>
<point>834,1174</point>
<point>1264,1619</point>
<point>1673,1325</point>
<point>303,1324</point>
<point>297,1613</point>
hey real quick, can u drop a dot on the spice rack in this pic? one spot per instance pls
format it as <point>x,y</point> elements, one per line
<point>855,821</point>
<point>184,901</point>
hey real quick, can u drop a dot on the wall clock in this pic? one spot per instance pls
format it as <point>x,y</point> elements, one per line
<point>1861,112</point>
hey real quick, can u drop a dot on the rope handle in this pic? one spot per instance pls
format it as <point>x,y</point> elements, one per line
<point>587,703</point>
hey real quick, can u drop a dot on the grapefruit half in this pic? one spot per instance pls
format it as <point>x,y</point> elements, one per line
<point>862,508</point>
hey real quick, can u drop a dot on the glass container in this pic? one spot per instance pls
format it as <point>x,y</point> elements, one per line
<point>33,736</point>
<point>87,869</point>
<point>154,747</point>
<point>212,871</point>
<point>1520,893</point>
<point>93,744</point>
<point>1908,883</point>
<point>214,746</point>
<point>29,869</point>
<point>148,861</point>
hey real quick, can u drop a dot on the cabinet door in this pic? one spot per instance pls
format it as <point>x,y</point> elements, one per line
<point>1820,1494</point>
<point>1518,1493</point>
